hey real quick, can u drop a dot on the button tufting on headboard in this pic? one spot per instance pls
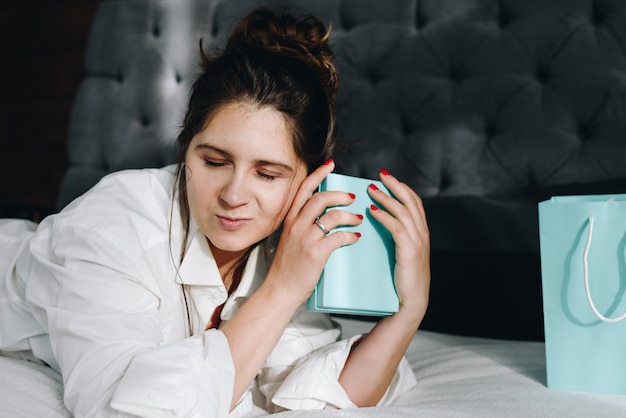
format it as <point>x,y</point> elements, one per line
<point>411,71</point>
<point>482,106</point>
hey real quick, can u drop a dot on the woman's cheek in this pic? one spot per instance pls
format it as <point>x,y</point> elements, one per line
<point>277,204</point>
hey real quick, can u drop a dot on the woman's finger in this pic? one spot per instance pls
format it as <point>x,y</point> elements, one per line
<point>319,202</point>
<point>308,187</point>
<point>404,236</point>
<point>334,218</point>
<point>395,216</point>
<point>405,205</point>
<point>338,239</point>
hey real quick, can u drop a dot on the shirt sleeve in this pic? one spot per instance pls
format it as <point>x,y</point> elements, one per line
<point>179,380</point>
<point>103,318</point>
<point>312,380</point>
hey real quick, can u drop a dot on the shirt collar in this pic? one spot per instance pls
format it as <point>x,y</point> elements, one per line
<point>199,267</point>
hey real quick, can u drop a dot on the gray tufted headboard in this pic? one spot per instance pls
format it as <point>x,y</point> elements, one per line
<point>484,107</point>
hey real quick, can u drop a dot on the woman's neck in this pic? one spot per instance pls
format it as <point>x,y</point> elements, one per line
<point>226,262</point>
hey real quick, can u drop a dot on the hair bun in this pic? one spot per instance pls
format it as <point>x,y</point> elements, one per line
<point>303,38</point>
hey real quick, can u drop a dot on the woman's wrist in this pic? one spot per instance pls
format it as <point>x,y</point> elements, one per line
<point>410,314</point>
<point>281,294</point>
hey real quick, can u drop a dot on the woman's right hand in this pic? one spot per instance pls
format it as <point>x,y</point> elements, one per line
<point>300,257</point>
<point>304,248</point>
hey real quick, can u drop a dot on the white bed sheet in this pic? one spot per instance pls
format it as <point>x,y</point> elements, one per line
<point>457,377</point>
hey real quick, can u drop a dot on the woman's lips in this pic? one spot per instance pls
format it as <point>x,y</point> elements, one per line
<point>232,224</point>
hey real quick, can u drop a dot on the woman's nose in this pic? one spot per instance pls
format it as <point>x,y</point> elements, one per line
<point>235,192</point>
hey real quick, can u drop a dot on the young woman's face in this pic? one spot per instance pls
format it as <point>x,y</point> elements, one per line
<point>242,176</point>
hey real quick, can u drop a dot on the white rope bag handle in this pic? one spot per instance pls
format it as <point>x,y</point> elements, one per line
<point>586,274</point>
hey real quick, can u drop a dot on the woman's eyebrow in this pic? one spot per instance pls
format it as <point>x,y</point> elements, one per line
<point>208,147</point>
<point>277,164</point>
<point>227,154</point>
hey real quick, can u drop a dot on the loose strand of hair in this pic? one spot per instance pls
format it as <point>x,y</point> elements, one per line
<point>183,246</point>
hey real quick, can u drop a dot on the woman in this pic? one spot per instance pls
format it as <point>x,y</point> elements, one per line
<point>181,291</point>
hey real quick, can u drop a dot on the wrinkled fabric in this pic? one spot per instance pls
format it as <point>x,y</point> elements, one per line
<point>96,292</point>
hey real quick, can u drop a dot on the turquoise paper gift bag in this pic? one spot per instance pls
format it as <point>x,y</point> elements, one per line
<point>358,278</point>
<point>583,245</point>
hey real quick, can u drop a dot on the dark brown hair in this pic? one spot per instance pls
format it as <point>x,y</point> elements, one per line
<point>272,60</point>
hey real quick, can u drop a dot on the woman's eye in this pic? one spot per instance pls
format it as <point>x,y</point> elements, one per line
<point>265,176</point>
<point>212,163</point>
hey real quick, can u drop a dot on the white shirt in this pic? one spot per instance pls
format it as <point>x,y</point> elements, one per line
<point>97,293</point>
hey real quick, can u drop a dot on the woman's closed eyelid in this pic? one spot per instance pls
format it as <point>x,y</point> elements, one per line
<point>262,172</point>
<point>275,172</point>
<point>266,176</point>
<point>214,162</point>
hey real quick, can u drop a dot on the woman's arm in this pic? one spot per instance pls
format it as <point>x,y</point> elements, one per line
<point>373,361</point>
<point>302,252</point>
<point>254,331</point>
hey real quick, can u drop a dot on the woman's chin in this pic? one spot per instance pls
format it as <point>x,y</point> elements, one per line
<point>229,245</point>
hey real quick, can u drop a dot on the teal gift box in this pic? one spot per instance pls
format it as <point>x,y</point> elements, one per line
<point>358,278</point>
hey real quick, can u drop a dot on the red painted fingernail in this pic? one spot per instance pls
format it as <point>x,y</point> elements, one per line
<point>352,196</point>
<point>384,172</point>
<point>372,207</point>
<point>358,234</point>
<point>373,187</point>
<point>360,217</point>
<point>329,161</point>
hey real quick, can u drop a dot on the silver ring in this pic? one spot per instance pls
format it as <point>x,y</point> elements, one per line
<point>321,227</point>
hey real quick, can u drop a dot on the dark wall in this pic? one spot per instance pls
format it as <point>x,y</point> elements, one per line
<point>42,44</point>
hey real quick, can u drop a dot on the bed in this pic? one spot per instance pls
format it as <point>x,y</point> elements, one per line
<point>457,376</point>
<point>484,107</point>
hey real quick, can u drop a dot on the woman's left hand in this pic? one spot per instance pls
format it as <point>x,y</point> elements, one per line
<point>404,217</point>
<point>373,362</point>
